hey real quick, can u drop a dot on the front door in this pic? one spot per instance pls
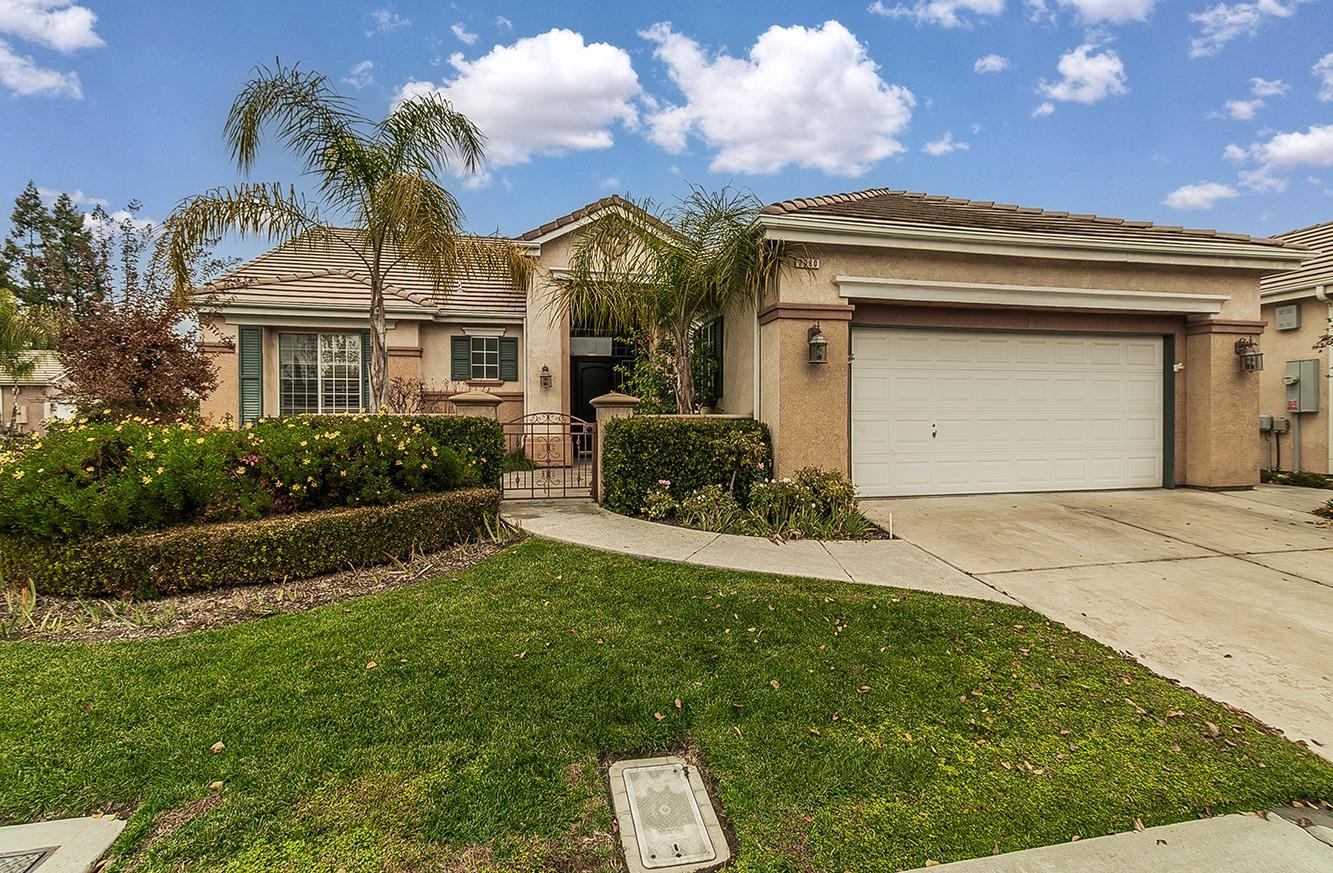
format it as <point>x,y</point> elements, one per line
<point>593,377</point>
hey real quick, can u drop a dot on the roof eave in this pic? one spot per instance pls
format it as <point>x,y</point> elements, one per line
<point>1072,246</point>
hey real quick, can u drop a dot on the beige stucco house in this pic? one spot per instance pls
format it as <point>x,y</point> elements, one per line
<point>27,403</point>
<point>969,347</point>
<point>1297,306</point>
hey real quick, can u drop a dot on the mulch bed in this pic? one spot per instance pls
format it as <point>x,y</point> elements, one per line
<point>66,619</point>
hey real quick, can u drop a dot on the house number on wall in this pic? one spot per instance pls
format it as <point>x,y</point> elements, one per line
<point>805,263</point>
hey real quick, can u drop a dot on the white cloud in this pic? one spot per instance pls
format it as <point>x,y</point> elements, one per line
<point>19,74</point>
<point>361,75</point>
<point>991,64</point>
<point>59,24</point>
<point>1281,153</point>
<point>1323,69</point>
<point>1261,87</point>
<point>1108,11</point>
<point>944,145</point>
<point>610,183</point>
<point>49,196</point>
<point>546,94</point>
<point>503,23</point>
<point>809,97</point>
<point>1200,196</point>
<point>386,20</point>
<point>1243,110</point>
<point>462,34</point>
<point>1086,77</point>
<point>945,13</point>
<point>1220,24</point>
<point>1043,109</point>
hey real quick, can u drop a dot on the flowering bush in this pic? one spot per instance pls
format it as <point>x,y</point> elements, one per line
<point>812,503</point>
<point>659,504</point>
<point>88,478</point>
<point>712,508</point>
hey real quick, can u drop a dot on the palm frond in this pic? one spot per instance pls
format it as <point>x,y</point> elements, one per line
<point>425,133</point>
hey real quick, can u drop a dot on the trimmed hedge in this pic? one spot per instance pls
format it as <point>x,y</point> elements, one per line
<point>688,451</point>
<point>206,556</point>
<point>96,479</point>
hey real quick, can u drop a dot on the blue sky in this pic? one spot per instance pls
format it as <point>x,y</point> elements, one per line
<point>1194,112</point>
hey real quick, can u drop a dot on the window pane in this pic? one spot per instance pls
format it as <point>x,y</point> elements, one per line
<point>298,373</point>
<point>485,357</point>
<point>339,372</point>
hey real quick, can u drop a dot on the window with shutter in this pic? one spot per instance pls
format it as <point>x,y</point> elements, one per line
<point>250,361</point>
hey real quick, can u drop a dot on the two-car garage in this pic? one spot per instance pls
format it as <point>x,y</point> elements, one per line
<point>960,412</point>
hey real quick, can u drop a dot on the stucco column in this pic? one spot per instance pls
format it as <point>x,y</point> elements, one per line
<point>1222,406</point>
<point>807,406</point>
<point>480,404</point>
<point>608,406</point>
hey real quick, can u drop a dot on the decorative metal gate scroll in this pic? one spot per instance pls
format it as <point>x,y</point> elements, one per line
<point>549,455</point>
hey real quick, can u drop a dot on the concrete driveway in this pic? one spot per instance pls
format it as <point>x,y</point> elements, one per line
<point>1230,594</point>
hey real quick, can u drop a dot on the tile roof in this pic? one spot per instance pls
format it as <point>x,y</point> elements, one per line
<point>331,274</point>
<point>1316,271</point>
<point>577,215</point>
<point>910,207</point>
<point>48,370</point>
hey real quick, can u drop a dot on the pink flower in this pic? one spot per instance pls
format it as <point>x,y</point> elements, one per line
<point>664,482</point>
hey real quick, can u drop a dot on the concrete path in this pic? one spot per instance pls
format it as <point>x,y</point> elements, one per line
<point>1228,593</point>
<point>67,845</point>
<point>1232,843</point>
<point>875,562</point>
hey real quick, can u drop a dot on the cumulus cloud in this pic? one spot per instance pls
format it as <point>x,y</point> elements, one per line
<point>1098,11</point>
<point>1323,70</point>
<point>944,145</point>
<point>23,77</point>
<point>1243,110</point>
<point>361,75</point>
<point>1281,153</point>
<point>462,34</point>
<point>59,24</point>
<point>1043,109</point>
<point>945,13</point>
<point>544,95</point>
<point>1261,87</point>
<point>1220,24</point>
<point>991,64</point>
<point>809,97</point>
<point>1086,77</point>
<point>386,20</point>
<point>1200,196</point>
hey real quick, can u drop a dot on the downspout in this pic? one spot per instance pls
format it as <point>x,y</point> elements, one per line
<point>755,356</point>
<point>1321,293</point>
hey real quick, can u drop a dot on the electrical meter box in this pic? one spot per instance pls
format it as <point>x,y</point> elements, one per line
<point>1302,382</point>
<point>1288,317</point>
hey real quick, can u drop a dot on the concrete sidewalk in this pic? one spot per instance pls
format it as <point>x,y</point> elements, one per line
<point>873,562</point>
<point>1232,843</point>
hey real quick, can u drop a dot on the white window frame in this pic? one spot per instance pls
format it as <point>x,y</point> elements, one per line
<point>331,386</point>
<point>484,357</point>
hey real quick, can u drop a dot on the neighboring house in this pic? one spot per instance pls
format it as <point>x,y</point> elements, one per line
<point>971,347</point>
<point>1298,308</point>
<point>35,398</point>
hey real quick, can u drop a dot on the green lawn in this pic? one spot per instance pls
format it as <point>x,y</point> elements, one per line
<point>475,741</point>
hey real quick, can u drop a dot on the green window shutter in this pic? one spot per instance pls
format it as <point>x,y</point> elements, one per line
<point>716,341</point>
<point>365,369</point>
<point>460,355</point>
<point>250,361</point>
<point>508,359</point>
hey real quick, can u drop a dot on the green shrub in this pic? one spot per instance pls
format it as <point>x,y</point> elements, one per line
<point>688,452</point>
<point>1324,510</point>
<point>659,505</point>
<point>94,479</point>
<point>206,556</point>
<point>712,508</point>
<point>1299,478</point>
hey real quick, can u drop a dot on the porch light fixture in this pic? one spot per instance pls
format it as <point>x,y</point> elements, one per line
<point>1251,359</point>
<point>545,378</point>
<point>818,345</point>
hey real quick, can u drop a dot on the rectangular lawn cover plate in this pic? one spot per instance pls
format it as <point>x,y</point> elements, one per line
<point>666,818</point>
<point>23,862</point>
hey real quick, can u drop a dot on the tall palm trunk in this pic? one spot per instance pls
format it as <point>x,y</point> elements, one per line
<point>379,353</point>
<point>684,372</point>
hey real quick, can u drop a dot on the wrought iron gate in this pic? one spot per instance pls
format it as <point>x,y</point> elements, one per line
<point>548,455</point>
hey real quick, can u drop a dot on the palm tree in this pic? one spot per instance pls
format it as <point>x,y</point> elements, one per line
<point>382,177</point>
<point>667,273</point>
<point>21,331</point>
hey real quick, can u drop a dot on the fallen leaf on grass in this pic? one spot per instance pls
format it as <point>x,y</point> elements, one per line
<point>658,716</point>
<point>678,703</point>
<point>1138,824</point>
<point>815,731</point>
<point>864,689</point>
<point>774,683</point>
<point>215,786</point>
<point>371,665</point>
<point>217,747</point>
<point>1212,729</point>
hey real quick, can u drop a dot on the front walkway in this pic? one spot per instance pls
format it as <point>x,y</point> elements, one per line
<point>875,562</point>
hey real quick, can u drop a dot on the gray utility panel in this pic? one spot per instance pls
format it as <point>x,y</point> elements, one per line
<point>1302,382</point>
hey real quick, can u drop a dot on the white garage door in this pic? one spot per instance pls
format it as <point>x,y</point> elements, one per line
<point>945,412</point>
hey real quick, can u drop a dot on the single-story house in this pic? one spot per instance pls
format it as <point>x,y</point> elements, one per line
<point>35,398</point>
<point>1297,306</point>
<point>967,346</point>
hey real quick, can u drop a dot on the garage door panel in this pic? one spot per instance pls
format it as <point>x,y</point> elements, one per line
<point>938,412</point>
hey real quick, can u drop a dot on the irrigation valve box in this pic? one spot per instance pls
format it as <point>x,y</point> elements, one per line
<point>1302,383</point>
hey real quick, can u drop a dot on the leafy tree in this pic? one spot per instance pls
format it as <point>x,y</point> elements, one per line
<point>29,227</point>
<point>51,258</point>
<point>381,176</point>
<point>665,274</point>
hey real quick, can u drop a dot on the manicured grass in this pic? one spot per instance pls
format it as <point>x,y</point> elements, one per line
<point>475,741</point>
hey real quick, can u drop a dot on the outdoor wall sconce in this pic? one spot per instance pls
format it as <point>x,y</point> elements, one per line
<point>1251,359</point>
<point>545,378</point>
<point>818,345</point>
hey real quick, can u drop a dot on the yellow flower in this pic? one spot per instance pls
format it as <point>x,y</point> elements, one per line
<point>147,479</point>
<point>159,471</point>
<point>423,466</point>
<point>342,472</point>
<point>87,469</point>
<point>199,441</point>
<point>18,474</point>
<point>240,471</point>
<point>149,455</point>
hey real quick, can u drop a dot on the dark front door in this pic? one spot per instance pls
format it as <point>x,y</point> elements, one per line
<point>593,377</point>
